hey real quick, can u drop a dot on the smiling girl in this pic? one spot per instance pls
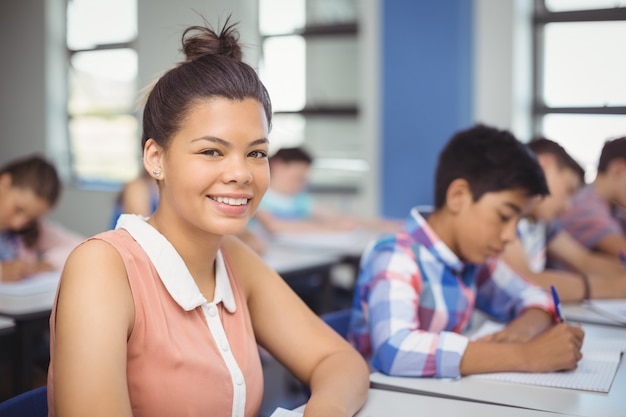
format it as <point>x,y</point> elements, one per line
<point>161,317</point>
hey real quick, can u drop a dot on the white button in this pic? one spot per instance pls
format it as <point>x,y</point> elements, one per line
<point>212,311</point>
<point>239,380</point>
<point>225,347</point>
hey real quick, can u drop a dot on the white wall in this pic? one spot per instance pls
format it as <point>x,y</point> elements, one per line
<point>502,66</point>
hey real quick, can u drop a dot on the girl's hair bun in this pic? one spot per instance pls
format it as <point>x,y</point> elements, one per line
<point>200,41</point>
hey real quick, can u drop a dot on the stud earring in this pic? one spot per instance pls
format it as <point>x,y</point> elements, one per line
<point>156,172</point>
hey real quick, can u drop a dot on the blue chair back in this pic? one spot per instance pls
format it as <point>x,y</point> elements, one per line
<point>33,403</point>
<point>338,321</point>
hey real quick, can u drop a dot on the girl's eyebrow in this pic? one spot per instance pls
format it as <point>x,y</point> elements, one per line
<point>223,142</point>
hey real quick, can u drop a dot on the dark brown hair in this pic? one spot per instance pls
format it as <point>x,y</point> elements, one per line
<point>544,146</point>
<point>212,68</point>
<point>612,149</point>
<point>296,154</point>
<point>490,160</point>
<point>37,174</point>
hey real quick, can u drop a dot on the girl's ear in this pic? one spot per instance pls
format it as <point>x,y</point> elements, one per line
<point>152,159</point>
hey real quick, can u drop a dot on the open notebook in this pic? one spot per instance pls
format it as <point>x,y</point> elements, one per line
<point>612,309</point>
<point>30,294</point>
<point>595,371</point>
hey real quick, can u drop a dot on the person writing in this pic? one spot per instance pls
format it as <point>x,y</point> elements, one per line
<point>29,188</point>
<point>596,218</point>
<point>139,196</point>
<point>287,207</point>
<point>540,235</point>
<point>417,289</point>
<point>162,316</point>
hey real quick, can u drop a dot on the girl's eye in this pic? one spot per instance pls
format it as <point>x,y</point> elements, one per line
<point>258,154</point>
<point>211,152</point>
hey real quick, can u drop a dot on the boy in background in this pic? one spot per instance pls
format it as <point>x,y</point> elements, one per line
<point>287,207</point>
<point>417,289</point>
<point>596,217</point>
<point>588,275</point>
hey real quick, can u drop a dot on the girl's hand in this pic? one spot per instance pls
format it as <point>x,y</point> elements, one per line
<point>16,270</point>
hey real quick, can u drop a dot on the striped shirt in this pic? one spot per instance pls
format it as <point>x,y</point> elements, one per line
<point>414,297</point>
<point>591,218</point>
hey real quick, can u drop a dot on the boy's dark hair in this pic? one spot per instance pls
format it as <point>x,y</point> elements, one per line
<point>296,154</point>
<point>544,146</point>
<point>612,150</point>
<point>490,160</point>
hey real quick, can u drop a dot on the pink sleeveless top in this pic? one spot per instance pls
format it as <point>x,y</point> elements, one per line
<point>186,356</point>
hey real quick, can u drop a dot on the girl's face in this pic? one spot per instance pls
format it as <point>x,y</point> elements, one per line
<point>215,171</point>
<point>18,206</point>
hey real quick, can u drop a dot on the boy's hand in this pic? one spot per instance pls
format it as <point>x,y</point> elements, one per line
<point>507,335</point>
<point>556,349</point>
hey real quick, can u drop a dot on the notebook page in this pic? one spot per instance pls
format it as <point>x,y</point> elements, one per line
<point>613,309</point>
<point>595,371</point>
<point>282,412</point>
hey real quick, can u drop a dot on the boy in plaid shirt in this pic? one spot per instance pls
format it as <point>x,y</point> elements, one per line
<point>417,288</point>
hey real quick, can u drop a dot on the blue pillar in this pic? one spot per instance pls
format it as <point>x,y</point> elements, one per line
<point>426,90</point>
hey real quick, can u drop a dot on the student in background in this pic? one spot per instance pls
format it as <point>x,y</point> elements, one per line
<point>141,196</point>
<point>417,289</point>
<point>161,316</point>
<point>288,207</point>
<point>29,189</point>
<point>594,218</point>
<point>539,235</point>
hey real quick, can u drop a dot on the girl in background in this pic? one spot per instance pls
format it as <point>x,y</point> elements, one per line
<point>29,189</point>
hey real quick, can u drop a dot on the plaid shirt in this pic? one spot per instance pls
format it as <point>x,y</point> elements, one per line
<point>414,297</point>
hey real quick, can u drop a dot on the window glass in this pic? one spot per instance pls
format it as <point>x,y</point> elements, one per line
<point>104,149</point>
<point>103,81</point>
<point>584,135</point>
<point>280,16</point>
<point>568,5</point>
<point>283,72</point>
<point>103,130</point>
<point>96,22</point>
<point>319,12</point>
<point>585,63</point>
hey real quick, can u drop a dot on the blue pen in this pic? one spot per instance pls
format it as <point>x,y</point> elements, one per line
<point>557,304</point>
<point>622,258</point>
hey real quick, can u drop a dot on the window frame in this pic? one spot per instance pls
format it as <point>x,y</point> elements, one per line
<point>541,17</point>
<point>74,177</point>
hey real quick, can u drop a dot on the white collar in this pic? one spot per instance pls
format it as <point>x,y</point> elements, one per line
<point>172,269</point>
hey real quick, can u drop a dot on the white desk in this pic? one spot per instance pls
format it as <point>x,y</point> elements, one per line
<point>295,264</point>
<point>556,400</point>
<point>384,403</point>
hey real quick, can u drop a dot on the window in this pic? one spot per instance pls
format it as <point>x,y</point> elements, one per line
<point>579,66</point>
<point>102,81</point>
<point>309,64</point>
